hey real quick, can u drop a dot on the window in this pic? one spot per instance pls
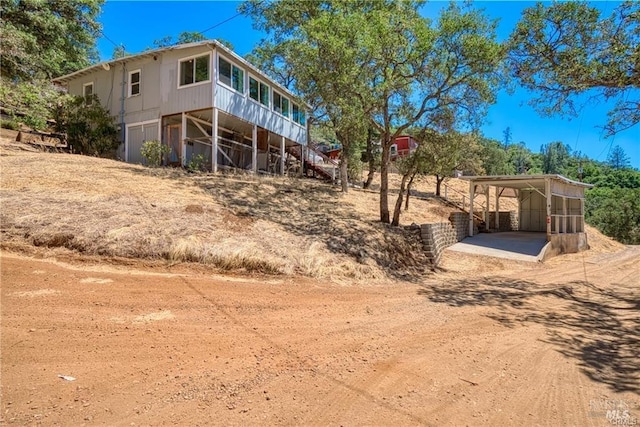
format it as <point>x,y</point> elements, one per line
<point>134,83</point>
<point>231,75</point>
<point>297,114</point>
<point>87,93</point>
<point>259,91</point>
<point>194,70</point>
<point>280,104</point>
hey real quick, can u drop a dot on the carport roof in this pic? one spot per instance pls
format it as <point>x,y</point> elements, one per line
<point>522,181</point>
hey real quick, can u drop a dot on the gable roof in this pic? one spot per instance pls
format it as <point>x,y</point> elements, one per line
<point>106,65</point>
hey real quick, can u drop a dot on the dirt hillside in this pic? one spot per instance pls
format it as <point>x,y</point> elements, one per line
<point>62,203</point>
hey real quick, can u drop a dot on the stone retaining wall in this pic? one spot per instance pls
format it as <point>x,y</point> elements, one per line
<point>438,236</point>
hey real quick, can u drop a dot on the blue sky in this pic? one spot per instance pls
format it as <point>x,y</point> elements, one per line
<point>136,24</point>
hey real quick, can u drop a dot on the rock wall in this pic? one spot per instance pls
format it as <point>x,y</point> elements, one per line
<point>508,221</point>
<point>437,237</point>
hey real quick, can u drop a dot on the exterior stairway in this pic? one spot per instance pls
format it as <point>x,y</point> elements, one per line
<point>322,170</point>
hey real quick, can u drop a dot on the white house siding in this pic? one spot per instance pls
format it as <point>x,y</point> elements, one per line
<point>108,85</point>
<point>174,99</point>
<point>247,109</point>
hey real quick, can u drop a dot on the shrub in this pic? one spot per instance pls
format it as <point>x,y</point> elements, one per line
<point>10,124</point>
<point>154,152</point>
<point>197,164</point>
<point>89,128</point>
<point>30,102</point>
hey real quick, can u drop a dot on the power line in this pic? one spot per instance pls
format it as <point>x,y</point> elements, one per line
<point>112,42</point>
<point>227,20</point>
<point>220,23</point>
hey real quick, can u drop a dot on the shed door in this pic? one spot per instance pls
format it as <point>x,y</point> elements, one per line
<point>136,136</point>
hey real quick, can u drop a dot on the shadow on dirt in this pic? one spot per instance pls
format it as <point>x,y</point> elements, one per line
<point>599,328</point>
<point>315,210</point>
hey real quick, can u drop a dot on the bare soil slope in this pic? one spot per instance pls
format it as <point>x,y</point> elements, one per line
<point>91,206</point>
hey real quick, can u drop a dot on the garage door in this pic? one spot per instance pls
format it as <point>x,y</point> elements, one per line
<point>136,136</point>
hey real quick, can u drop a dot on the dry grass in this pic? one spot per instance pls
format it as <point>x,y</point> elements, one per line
<point>91,206</point>
<point>61,203</point>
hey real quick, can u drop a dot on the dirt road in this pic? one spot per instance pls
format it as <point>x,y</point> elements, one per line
<point>554,344</point>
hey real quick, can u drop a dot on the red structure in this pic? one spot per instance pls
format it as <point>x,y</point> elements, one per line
<point>403,146</point>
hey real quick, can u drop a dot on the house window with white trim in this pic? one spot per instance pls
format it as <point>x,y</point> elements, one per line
<point>134,83</point>
<point>231,75</point>
<point>280,104</point>
<point>297,114</point>
<point>259,91</point>
<point>87,93</point>
<point>194,70</point>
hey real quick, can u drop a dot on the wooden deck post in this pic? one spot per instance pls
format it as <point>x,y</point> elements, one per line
<point>471,191</point>
<point>564,215</point>
<point>486,206</point>
<point>183,146</point>
<point>254,149</point>
<point>547,193</point>
<point>214,142</point>
<point>282,152</point>
<point>497,209</point>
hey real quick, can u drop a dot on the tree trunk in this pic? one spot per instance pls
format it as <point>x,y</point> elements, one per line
<point>439,180</point>
<point>406,203</point>
<point>372,172</point>
<point>384,184</point>
<point>398,207</point>
<point>344,172</point>
<point>371,158</point>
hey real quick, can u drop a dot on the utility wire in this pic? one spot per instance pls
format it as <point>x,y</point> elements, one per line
<point>226,20</point>
<point>220,23</point>
<point>112,42</point>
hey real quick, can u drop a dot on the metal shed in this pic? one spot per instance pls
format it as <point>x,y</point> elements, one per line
<point>552,204</point>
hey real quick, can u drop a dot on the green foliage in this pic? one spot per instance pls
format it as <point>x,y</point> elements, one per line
<point>383,65</point>
<point>606,177</point>
<point>197,163</point>
<point>355,169</point>
<point>520,158</point>
<point>119,52</point>
<point>89,128</point>
<point>9,124</point>
<point>564,49</point>
<point>45,39</point>
<point>29,102</point>
<point>555,157</point>
<point>183,37</point>
<point>495,160</point>
<point>618,159</point>
<point>615,212</point>
<point>155,151</point>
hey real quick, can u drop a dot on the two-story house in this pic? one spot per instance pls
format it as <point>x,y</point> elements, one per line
<point>203,101</point>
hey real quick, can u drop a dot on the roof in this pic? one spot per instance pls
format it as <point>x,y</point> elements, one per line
<point>106,65</point>
<point>523,181</point>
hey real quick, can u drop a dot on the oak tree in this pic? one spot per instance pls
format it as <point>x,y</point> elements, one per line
<point>569,53</point>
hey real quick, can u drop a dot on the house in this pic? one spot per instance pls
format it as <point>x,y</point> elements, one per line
<point>402,146</point>
<point>204,102</point>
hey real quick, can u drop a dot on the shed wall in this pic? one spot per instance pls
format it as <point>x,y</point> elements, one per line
<point>533,211</point>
